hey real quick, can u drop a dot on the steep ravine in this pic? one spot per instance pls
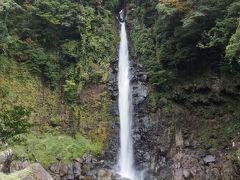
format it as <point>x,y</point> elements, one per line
<point>188,131</point>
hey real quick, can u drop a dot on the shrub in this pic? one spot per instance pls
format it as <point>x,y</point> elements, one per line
<point>14,122</point>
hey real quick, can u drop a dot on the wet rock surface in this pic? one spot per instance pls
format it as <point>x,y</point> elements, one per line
<point>139,92</point>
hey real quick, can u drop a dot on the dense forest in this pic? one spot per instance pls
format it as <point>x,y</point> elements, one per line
<point>55,59</point>
<point>188,46</point>
<point>184,38</point>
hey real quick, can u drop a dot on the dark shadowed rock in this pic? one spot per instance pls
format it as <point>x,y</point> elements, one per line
<point>69,174</point>
<point>186,143</point>
<point>162,151</point>
<point>89,159</point>
<point>208,146</point>
<point>76,169</point>
<point>143,77</point>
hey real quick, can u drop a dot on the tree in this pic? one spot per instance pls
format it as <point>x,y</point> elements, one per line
<point>233,49</point>
<point>14,122</point>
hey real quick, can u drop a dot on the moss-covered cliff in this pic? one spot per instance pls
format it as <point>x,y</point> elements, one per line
<point>54,58</point>
<point>192,110</point>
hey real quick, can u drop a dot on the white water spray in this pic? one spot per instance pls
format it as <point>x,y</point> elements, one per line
<point>126,158</point>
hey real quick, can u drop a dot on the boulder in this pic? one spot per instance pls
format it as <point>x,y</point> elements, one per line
<point>143,77</point>
<point>77,169</point>
<point>209,159</point>
<point>33,172</point>
<point>89,159</point>
<point>38,172</point>
<point>69,174</point>
<point>186,173</point>
<point>5,160</point>
<point>59,169</point>
<point>104,174</point>
<point>18,165</point>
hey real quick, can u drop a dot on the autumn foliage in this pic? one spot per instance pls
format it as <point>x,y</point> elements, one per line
<point>179,4</point>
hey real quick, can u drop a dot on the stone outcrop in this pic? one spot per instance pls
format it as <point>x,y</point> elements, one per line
<point>104,174</point>
<point>18,165</point>
<point>5,160</point>
<point>32,172</point>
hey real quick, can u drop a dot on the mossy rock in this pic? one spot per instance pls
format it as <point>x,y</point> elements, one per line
<point>34,172</point>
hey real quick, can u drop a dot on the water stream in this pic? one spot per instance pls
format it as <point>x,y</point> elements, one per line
<point>126,157</point>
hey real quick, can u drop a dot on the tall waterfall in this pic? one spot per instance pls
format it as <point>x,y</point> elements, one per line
<point>126,158</point>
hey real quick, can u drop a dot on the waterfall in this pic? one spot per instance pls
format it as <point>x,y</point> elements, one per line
<point>126,158</point>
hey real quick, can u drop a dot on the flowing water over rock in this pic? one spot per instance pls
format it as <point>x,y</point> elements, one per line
<point>126,160</point>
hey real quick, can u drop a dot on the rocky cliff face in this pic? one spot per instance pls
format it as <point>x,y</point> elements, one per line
<point>175,133</point>
<point>180,138</point>
<point>188,130</point>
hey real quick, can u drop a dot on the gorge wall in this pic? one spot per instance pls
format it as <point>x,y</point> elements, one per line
<point>187,127</point>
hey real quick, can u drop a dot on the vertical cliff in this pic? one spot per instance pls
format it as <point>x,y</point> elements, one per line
<point>188,125</point>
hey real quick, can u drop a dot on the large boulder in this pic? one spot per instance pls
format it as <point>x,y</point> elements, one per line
<point>33,172</point>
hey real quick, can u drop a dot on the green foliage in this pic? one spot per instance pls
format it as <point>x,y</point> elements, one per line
<point>14,122</point>
<point>70,89</point>
<point>70,48</point>
<point>176,39</point>
<point>226,132</point>
<point>233,49</point>
<point>5,64</point>
<point>56,12</point>
<point>46,148</point>
<point>59,40</point>
<point>219,35</point>
<point>66,45</point>
<point>166,9</point>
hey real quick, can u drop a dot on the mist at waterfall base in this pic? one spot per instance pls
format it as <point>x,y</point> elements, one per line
<point>126,167</point>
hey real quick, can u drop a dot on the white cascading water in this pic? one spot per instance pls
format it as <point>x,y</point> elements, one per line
<point>126,158</point>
